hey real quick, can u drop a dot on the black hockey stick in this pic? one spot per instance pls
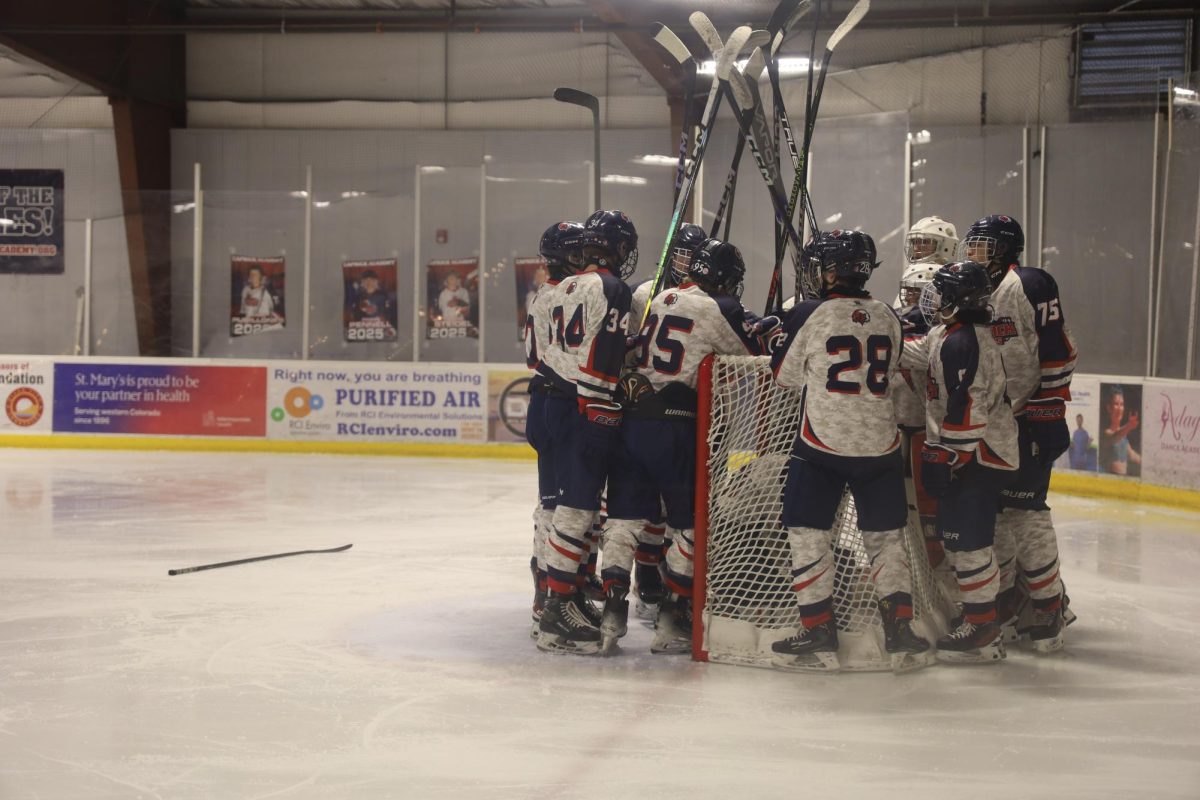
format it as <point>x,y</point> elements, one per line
<point>685,129</point>
<point>255,558</point>
<point>591,103</point>
<point>725,207</point>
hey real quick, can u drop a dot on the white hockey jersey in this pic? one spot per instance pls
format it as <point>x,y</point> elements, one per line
<point>967,407</point>
<point>1028,324</point>
<point>580,334</point>
<point>843,350</point>
<point>686,325</point>
<point>547,361</point>
<point>908,389</point>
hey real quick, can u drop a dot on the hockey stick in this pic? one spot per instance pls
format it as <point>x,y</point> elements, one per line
<point>724,63</point>
<point>591,103</point>
<point>754,68</point>
<point>255,558</point>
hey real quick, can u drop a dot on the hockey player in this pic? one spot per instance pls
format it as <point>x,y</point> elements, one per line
<point>842,349</point>
<point>970,454</point>
<point>702,316</point>
<point>931,242</point>
<point>562,247</point>
<point>649,532</point>
<point>1039,356</point>
<point>588,322</point>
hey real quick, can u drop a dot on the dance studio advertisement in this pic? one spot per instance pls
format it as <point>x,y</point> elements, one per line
<point>335,401</point>
<point>160,399</point>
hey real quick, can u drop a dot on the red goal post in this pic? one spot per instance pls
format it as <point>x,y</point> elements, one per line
<point>743,599</point>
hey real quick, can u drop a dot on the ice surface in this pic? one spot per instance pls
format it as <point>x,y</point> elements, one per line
<point>403,668</point>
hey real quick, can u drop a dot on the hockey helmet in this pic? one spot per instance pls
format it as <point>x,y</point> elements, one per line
<point>717,267</point>
<point>561,246</point>
<point>849,254</point>
<point>613,232</point>
<point>932,240</point>
<point>958,287</point>
<point>996,241</point>
<point>914,279</point>
<point>687,240</point>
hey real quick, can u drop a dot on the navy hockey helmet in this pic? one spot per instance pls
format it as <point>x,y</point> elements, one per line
<point>561,246</point>
<point>718,267</point>
<point>614,233</point>
<point>850,254</point>
<point>687,240</point>
<point>958,287</point>
<point>996,241</point>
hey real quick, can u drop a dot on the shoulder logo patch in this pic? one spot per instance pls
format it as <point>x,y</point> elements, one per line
<point>571,287</point>
<point>671,299</point>
<point>860,316</point>
<point>1003,330</point>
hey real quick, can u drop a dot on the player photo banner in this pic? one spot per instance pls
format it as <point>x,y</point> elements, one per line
<point>31,221</point>
<point>531,274</point>
<point>163,399</point>
<point>452,306</point>
<point>258,291</point>
<point>1120,451</point>
<point>369,312</point>
<point>1171,434</point>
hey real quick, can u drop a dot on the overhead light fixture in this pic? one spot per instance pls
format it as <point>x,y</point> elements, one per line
<point>299,193</point>
<point>628,180</point>
<point>429,170</point>
<point>320,204</point>
<point>178,208</point>
<point>352,194</point>
<point>652,160</point>
<point>789,65</point>
<point>919,137</point>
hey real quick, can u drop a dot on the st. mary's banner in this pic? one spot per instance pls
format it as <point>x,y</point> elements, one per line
<point>530,274</point>
<point>167,399</point>
<point>258,291</point>
<point>369,311</point>
<point>31,221</point>
<point>453,299</point>
<point>336,401</point>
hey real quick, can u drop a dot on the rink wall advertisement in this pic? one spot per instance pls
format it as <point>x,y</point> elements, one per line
<point>349,402</point>
<point>1129,429</point>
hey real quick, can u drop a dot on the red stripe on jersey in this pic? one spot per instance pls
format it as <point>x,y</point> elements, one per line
<point>1058,391</point>
<point>988,456</point>
<point>808,435</point>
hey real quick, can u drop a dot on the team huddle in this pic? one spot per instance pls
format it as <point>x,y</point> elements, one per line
<point>961,387</point>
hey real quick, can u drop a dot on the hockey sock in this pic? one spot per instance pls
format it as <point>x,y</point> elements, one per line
<point>1037,554</point>
<point>1005,546</point>
<point>680,562</point>
<point>977,576</point>
<point>566,548</point>
<point>619,543</point>
<point>812,572</point>
<point>889,563</point>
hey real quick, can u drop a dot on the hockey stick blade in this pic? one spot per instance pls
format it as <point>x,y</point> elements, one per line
<point>853,18</point>
<point>667,40</point>
<point>578,98</point>
<point>186,570</point>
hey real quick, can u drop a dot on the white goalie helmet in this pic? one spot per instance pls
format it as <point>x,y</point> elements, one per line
<point>915,278</point>
<point>931,241</point>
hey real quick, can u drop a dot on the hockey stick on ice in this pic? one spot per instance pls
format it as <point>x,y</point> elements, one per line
<point>591,103</point>
<point>185,570</point>
<point>724,63</point>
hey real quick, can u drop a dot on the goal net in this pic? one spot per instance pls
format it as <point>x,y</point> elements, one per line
<point>744,597</point>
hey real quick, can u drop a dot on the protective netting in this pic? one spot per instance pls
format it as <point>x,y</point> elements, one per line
<point>749,601</point>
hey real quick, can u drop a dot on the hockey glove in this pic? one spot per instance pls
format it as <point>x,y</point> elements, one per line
<point>770,334</point>
<point>937,467</point>
<point>1046,421</point>
<point>601,427</point>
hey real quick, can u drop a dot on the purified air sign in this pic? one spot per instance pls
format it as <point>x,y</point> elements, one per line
<point>31,221</point>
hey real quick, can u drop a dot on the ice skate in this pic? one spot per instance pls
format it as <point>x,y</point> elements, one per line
<point>614,621</point>
<point>814,650</point>
<point>907,650</point>
<point>564,629</point>
<point>1046,633</point>
<point>673,627</point>
<point>539,603</point>
<point>587,608</point>
<point>593,588</point>
<point>650,590</point>
<point>969,643</point>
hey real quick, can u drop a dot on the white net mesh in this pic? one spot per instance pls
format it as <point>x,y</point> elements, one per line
<point>747,580</point>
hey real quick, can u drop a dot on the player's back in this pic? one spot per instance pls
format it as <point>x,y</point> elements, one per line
<point>687,324</point>
<point>843,350</point>
<point>542,353</point>
<point>588,319</point>
<point>1029,326</point>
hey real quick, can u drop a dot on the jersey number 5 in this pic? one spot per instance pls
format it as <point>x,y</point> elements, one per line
<point>879,355</point>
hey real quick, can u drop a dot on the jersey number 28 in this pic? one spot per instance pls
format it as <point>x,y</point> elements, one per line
<point>879,355</point>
